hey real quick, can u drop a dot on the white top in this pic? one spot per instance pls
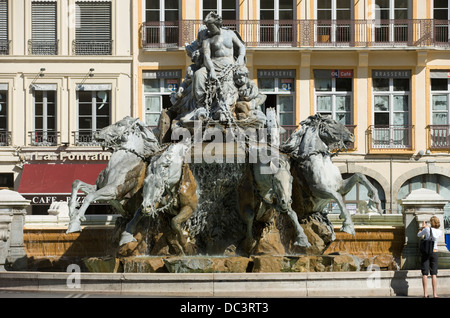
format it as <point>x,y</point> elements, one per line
<point>435,232</point>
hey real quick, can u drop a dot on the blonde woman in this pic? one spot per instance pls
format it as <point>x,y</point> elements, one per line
<point>429,262</point>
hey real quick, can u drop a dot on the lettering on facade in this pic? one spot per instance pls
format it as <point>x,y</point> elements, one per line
<point>391,74</point>
<point>48,199</point>
<point>66,156</point>
<point>161,74</point>
<point>276,73</point>
<point>333,73</point>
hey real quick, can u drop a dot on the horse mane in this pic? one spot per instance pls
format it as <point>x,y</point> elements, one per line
<point>151,143</point>
<point>294,144</point>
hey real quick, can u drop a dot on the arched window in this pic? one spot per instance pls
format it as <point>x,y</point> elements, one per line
<point>435,182</point>
<point>357,199</point>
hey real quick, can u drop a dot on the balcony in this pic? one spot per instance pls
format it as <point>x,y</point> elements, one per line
<point>309,33</point>
<point>92,47</point>
<point>390,137</point>
<point>4,47</point>
<point>438,137</point>
<point>44,138</point>
<point>288,130</point>
<point>85,138</point>
<point>43,47</point>
<point>5,138</point>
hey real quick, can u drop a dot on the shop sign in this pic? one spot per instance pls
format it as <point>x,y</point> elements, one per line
<point>276,73</point>
<point>67,156</point>
<point>333,73</point>
<point>172,85</point>
<point>286,84</point>
<point>48,199</point>
<point>342,73</point>
<point>161,74</point>
<point>391,74</point>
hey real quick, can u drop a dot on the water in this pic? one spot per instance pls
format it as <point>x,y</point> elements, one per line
<point>216,222</point>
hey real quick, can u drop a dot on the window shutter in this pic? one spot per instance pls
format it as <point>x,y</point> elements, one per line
<point>93,21</point>
<point>43,15</point>
<point>4,46</point>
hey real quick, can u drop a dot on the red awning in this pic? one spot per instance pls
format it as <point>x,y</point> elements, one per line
<point>56,178</point>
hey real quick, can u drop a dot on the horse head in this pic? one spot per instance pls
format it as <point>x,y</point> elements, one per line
<point>129,133</point>
<point>333,133</point>
<point>317,134</point>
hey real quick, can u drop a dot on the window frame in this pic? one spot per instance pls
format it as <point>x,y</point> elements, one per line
<point>94,115</point>
<point>40,42</point>
<point>88,40</point>
<point>45,135</point>
<point>391,135</point>
<point>160,93</point>
<point>219,9</point>
<point>334,94</point>
<point>279,92</point>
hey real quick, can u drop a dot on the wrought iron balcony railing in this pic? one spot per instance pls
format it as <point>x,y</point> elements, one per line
<point>391,137</point>
<point>309,33</point>
<point>4,47</point>
<point>5,138</point>
<point>85,138</point>
<point>44,138</point>
<point>438,136</point>
<point>92,47</point>
<point>43,47</point>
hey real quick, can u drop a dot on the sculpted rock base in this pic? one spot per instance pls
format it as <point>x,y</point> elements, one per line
<point>238,264</point>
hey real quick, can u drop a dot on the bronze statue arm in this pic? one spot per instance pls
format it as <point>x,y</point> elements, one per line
<point>207,60</point>
<point>242,51</point>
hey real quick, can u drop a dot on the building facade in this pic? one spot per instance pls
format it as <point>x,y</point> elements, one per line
<point>381,67</point>
<point>66,72</point>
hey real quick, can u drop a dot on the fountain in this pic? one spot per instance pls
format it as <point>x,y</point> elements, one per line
<point>212,189</point>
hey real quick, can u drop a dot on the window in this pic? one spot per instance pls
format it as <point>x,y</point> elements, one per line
<point>7,180</point>
<point>441,14</point>
<point>276,21</point>
<point>161,22</point>
<point>43,28</point>
<point>391,21</point>
<point>391,111</point>
<point>158,85</point>
<point>93,31</point>
<point>4,38</point>
<point>4,134</point>
<point>94,111</point>
<point>44,133</point>
<point>333,90</point>
<point>440,119</point>
<point>435,182</point>
<point>279,86</point>
<point>227,9</point>
<point>334,23</point>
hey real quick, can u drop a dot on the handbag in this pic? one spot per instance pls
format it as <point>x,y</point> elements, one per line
<point>426,246</point>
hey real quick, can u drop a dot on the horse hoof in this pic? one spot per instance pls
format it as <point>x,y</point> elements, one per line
<point>348,229</point>
<point>73,227</point>
<point>126,237</point>
<point>302,242</point>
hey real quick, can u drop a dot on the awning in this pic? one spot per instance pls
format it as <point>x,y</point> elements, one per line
<point>56,178</point>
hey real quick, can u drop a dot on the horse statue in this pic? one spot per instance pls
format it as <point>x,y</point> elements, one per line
<point>169,186</point>
<point>310,148</point>
<point>132,143</point>
<point>271,182</point>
